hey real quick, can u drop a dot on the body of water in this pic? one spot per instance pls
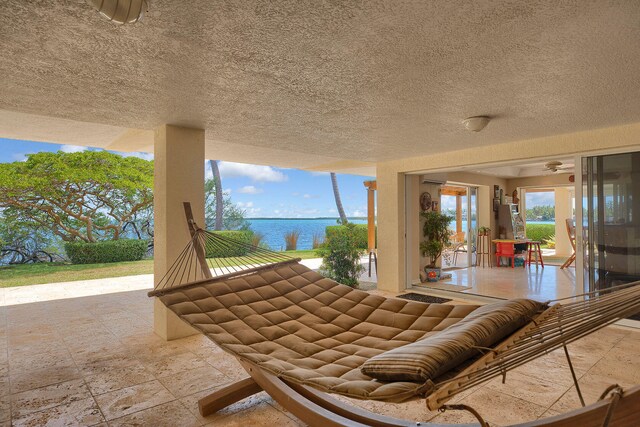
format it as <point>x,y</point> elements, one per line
<point>274,229</point>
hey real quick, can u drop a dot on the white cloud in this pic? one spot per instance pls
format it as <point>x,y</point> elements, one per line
<point>249,210</point>
<point>255,172</point>
<point>250,189</point>
<point>319,173</point>
<point>19,157</point>
<point>73,148</point>
<point>358,212</point>
<point>307,196</point>
<point>144,156</point>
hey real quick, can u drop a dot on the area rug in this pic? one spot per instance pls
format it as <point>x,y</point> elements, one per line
<point>423,298</point>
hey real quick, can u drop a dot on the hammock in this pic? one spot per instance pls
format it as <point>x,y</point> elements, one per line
<point>296,332</point>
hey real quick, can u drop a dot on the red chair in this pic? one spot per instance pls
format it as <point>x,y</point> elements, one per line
<point>506,250</point>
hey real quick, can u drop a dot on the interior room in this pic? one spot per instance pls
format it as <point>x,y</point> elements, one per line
<point>533,201</point>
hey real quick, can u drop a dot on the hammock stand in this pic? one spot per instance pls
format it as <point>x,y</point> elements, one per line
<point>553,328</point>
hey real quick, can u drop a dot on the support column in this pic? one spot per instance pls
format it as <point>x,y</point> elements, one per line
<point>371,214</point>
<point>178,177</point>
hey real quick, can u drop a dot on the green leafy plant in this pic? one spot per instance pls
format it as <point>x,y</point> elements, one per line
<point>341,256</point>
<point>550,242</point>
<point>436,233</point>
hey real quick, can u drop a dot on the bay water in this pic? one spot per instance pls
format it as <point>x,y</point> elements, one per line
<point>274,229</point>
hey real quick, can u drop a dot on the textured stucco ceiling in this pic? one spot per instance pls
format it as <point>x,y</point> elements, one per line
<point>312,83</point>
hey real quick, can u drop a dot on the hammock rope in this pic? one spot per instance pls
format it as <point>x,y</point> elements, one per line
<point>200,261</point>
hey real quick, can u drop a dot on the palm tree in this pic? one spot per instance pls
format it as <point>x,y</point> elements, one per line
<point>218,189</point>
<point>336,194</point>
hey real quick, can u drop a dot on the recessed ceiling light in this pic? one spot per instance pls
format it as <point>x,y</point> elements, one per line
<point>476,123</point>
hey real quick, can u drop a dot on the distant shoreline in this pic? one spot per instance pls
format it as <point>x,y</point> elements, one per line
<point>321,217</point>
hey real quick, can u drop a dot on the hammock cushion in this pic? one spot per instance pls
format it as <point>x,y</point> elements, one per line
<point>428,358</point>
<point>303,327</point>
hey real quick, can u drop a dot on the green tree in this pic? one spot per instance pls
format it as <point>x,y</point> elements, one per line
<point>232,214</point>
<point>87,196</point>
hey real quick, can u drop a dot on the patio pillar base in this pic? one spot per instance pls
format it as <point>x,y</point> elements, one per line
<point>178,177</point>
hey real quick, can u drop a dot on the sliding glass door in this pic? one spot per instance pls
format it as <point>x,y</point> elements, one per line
<point>611,220</point>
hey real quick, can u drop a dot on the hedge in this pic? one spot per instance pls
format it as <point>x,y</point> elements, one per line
<point>540,232</point>
<point>245,237</point>
<point>361,234</point>
<point>103,252</point>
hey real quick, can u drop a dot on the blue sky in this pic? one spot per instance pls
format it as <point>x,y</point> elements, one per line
<point>262,191</point>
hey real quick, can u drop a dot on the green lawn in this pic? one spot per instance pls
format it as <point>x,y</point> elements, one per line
<point>34,274</point>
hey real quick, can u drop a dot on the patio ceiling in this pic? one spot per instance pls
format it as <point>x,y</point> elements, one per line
<point>318,85</point>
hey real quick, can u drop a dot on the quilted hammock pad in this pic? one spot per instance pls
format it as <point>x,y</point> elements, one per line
<point>305,328</point>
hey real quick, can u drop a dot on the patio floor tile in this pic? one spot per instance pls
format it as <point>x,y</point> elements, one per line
<point>132,399</point>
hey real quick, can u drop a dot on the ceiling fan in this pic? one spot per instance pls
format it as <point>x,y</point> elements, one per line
<point>555,166</point>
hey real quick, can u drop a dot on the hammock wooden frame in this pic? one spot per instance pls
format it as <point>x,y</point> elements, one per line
<point>317,408</point>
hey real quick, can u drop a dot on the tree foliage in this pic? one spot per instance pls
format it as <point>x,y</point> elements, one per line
<point>541,213</point>
<point>87,196</point>
<point>22,243</point>
<point>232,215</point>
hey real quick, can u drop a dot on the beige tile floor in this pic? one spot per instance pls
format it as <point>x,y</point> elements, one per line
<point>94,360</point>
<point>541,284</point>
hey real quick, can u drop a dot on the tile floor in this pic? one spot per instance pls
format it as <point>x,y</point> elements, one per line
<point>541,284</point>
<point>94,360</point>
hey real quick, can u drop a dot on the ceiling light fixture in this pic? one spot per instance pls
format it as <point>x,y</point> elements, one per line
<point>121,11</point>
<point>477,123</point>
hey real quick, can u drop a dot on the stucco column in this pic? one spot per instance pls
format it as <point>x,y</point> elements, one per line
<point>178,177</point>
<point>391,224</point>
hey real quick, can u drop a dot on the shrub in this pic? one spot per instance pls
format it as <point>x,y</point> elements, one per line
<point>103,252</point>
<point>341,256</point>
<point>243,238</point>
<point>540,232</point>
<point>360,231</point>
<point>291,240</point>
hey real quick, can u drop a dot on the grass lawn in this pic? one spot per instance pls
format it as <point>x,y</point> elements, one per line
<point>35,274</point>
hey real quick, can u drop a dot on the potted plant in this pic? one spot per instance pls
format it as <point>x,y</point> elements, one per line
<point>436,233</point>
